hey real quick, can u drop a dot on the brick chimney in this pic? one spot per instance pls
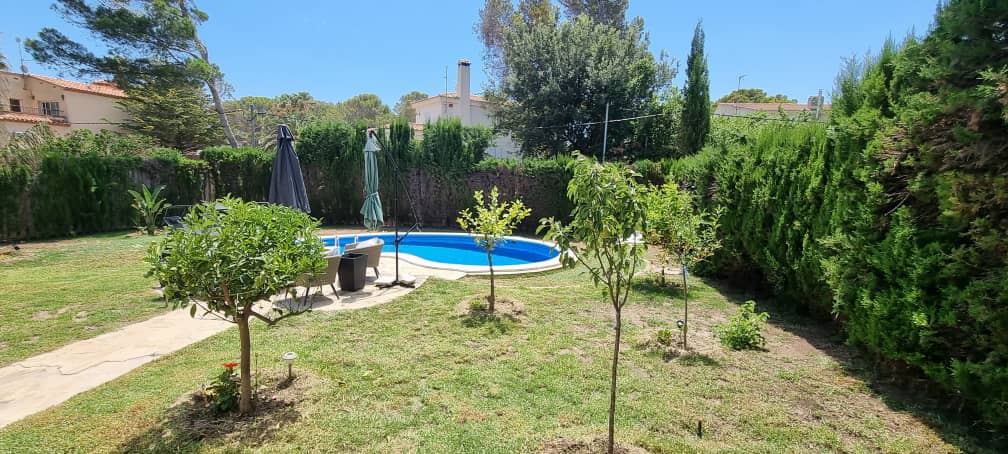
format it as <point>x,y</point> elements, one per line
<point>465,104</point>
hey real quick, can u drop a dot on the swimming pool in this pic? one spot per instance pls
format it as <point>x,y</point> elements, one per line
<point>459,252</point>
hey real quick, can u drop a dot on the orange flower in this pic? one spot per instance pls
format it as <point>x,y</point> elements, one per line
<point>230,366</point>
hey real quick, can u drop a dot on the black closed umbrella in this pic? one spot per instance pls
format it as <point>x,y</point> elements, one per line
<point>286,183</point>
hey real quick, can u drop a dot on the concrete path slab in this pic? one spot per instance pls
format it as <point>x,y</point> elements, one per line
<point>42,381</point>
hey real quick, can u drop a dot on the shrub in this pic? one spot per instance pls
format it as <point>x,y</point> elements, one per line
<point>223,392</point>
<point>229,259</point>
<point>665,337</point>
<point>149,205</point>
<point>745,329</point>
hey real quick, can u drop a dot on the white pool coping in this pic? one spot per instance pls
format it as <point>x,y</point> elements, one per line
<point>535,267</point>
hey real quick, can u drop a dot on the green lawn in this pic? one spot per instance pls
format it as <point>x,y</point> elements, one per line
<point>54,293</point>
<point>422,375</point>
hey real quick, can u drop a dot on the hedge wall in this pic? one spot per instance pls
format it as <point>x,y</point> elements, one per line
<point>73,194</point>
<point>895,217</point>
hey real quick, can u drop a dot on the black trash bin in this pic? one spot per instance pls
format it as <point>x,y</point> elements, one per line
<point>351,271</point>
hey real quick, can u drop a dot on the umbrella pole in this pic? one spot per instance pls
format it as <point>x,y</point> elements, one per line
<point>395,219</point>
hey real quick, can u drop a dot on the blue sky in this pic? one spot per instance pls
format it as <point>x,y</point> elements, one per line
<point>335,50</point>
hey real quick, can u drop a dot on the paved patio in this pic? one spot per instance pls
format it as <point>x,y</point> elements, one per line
<point>40,382</point>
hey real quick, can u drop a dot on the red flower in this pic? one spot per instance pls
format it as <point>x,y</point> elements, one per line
<point>229,366</point>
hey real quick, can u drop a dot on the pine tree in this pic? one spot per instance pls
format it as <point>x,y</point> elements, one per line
<point>696,108</point>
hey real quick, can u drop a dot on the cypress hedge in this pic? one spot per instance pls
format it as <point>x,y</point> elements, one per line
<point>894,217</point>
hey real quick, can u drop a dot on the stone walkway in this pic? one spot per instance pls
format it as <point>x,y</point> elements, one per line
<point>40,382</point>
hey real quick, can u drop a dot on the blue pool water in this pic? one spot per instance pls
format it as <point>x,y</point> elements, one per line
<point>456,249</point>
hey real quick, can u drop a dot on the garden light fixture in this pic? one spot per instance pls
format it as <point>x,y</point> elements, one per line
<point>289,357</point>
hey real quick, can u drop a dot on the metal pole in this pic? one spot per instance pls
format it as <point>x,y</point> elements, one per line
<point>252,115</point>
<point>737,88</point>
<point>605,131</point>
<point>395,216</point>
<point>819,103</point>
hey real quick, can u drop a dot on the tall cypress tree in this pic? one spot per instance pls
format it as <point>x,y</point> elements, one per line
<point>696,107</point>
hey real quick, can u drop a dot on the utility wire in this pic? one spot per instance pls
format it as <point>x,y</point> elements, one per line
<point>795,120</point>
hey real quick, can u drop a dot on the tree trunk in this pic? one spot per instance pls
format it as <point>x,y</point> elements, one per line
<point>493,296</point>
<point>685,296</point>
<point>245,399</point>
<point>219,107</point>
<point>612,383</point>
<point>212,80</point>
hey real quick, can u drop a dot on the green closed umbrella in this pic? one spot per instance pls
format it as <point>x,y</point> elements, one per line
<point>372,209</point>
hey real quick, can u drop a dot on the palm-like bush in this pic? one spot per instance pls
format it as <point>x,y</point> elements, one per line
<point>149,206</point>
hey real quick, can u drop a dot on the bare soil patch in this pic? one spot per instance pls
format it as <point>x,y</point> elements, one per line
<point>469,307</point>
<point>598,445</point>
<point>42,315</point>
<point>278,402</point>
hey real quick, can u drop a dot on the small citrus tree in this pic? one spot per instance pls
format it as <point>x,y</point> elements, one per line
<point>607,214</point>
<point>490,222</point>
<point>149,205</point>
<point>683,234</point>
<point>231,255</point>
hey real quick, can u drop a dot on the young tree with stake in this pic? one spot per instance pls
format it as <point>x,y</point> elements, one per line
<point>607,213</point>
<point>489,223</point>
<point>685,235</point>
<point>229,258</point>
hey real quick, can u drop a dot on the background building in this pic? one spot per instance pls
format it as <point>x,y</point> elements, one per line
<point>815,108</point>
<point>64,105</point>
<point>472,110</point>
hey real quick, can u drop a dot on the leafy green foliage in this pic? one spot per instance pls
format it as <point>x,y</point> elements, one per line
<point>223,391</point>
<point>684,235</point>
<point>607,212</point>
<point>665,337</point>
<point>149,206</point>
<point>696,106</point>
<point>744,331</point>
<point>364,108</point>
<point>228,259</point>
<point>450,147</point>
<point>754,95</point>
<point>892,218</point>
<point>175,116</point>
<point>243,172</point>
<point>489,221</point>
<point>655,137</point>
<point>561,74</point>
<point>147,42</point>
<point>258,116</point>
<point>404,108</point>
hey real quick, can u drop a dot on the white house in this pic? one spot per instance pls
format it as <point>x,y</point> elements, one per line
<point>64,105</point>
<point>472,110</point>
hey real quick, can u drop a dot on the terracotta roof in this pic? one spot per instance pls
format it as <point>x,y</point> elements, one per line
<point>772,106</point>
<point>476,98</point>
<point>25,117</point>
<point>98,87</point>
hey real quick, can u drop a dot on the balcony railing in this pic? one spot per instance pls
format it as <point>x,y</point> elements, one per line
<point>60,115</point>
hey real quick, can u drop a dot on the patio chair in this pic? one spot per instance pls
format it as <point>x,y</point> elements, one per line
<point>326,278</point>
<point>372,247</point>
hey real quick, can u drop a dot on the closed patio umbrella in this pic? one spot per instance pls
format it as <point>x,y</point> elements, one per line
<point>286,183</point>
<point>372,209</point>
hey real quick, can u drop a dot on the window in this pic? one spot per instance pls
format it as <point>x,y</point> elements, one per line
<point>51,108</point>
<point>450,105</point>
<point>15,105</point>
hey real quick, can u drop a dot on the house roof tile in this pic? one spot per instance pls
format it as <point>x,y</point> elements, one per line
<point>772,106</point>
<point>98,87</point>
<point>453,95</point>
<point>24,117</point>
